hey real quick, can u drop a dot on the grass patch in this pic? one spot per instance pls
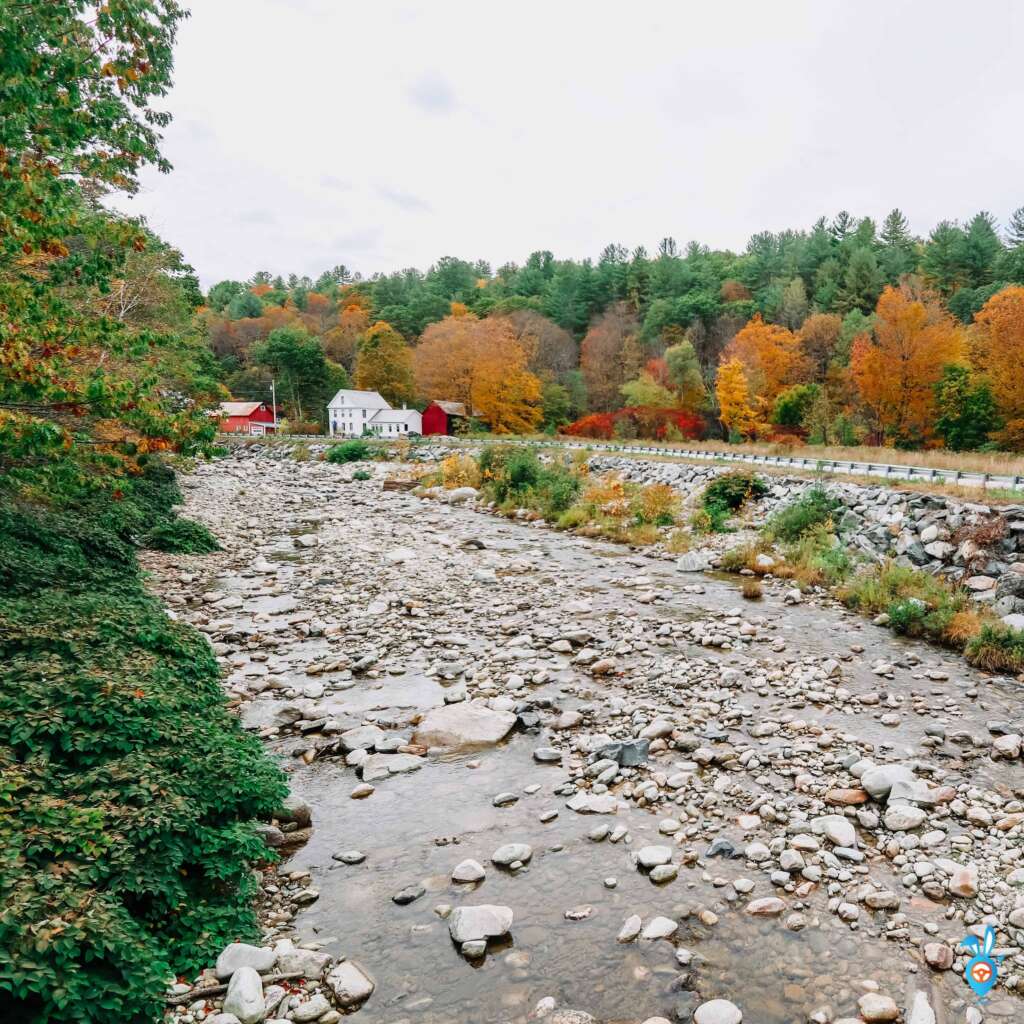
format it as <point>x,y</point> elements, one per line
<point>997,648</point>
<point>627,513</point>
<point>361,474</point>
<point>752,589</point>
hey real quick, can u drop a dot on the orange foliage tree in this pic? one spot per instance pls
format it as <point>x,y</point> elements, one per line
<point>481,364</point>
<point>736,407</point>
<point>997,349</point>
<point>771,358</point>
<point>896,371</point>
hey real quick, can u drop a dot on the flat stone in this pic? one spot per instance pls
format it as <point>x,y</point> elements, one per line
<point>241,954</point>
<point>904,817</point>
<point>487,921</point>
<point>311,1010</point>
<point>589,803</point>
<point>380,766</point>
<point>512,853</point>
<point>767,906</point>
<point>838,830</point>
<point>717,1011</point>
<point>630,929</point>
<point>469,871</point>
<point>659,928</point>
<point>652,856</point>
<point>464,725</point>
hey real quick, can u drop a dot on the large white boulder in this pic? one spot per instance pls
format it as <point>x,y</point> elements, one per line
<point>458,726</point>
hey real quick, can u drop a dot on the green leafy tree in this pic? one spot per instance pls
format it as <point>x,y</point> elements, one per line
<point>245,305</point>
<point>942,258</point>
<point>557,405</point>
<point>862,283</point>
<point>685,375</point>
<point>306,378</point>
<point>222,293</point>
<point>968,410</point>
<point>794,404</point>
<point>979,251</point>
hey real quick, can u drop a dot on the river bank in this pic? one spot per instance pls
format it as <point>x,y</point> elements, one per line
<point>792,882</point>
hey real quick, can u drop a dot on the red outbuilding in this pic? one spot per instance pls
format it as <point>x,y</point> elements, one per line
<point>441,417</point>
<point>246,418</point>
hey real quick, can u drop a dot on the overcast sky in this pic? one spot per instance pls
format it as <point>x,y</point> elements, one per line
<point>384,134</point>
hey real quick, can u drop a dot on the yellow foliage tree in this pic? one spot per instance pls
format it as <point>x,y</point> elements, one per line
<point>384,364</point>
<point>772,360</point>
<point>736,408</point>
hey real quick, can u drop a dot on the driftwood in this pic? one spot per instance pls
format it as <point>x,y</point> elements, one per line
<point>218,990</point>
<point>400,485</point>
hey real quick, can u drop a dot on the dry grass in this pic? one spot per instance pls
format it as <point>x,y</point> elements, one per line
<point>459,471</point>
<point>752,589</point>
<point>679,542</point>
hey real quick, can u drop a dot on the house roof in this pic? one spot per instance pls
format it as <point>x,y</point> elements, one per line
<point>451,408</point>
<point>358,400</point>
<point>238,408</point>
<point>394,416</point>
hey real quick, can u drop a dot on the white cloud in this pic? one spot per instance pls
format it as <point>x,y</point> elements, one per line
<point>385,135</point>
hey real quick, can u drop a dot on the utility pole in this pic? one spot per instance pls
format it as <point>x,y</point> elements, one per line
<point>273,400</point>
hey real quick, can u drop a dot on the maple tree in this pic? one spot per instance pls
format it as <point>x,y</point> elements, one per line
<point>897,368</point>
<point>771,360</point>
<point>997,349</point>
<point>481,364</point>
<point>384,364</point>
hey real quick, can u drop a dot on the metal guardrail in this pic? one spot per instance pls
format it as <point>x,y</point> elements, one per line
<point>840,466</point>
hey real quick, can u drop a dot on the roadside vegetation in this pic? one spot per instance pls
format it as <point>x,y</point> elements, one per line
<point>723,498</point>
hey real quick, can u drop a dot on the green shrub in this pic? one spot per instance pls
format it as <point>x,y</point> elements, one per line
<point>355,450</point>
<point>813,508</point>
<point>732,490</point>
<point>516,476</point>
<point>131,793</point>
<point>908,615</point>
<point>361,474</point>
<point>723,496</point>
<point>181,536</point>
<point>997,648</point>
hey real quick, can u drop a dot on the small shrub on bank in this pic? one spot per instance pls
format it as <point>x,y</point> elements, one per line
<point>722,497</point>
<point>516,478</point>
<point>813,508</point>
<point>459,471</point>
<point>181,537</point>
<point>300,453</point>
<point>361,474</point>
<point>997,648</point>
<point>752,590</point>
<point>354,450</point>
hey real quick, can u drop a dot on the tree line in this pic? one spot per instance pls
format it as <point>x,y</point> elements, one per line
<point>847,332</point>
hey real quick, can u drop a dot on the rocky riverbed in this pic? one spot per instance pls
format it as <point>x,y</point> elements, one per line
<point>553,779</point>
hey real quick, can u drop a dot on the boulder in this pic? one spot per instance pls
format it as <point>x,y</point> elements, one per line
<point>245,996</point>
<point>240,954</point>
<point>717,1011</point>
<point>350,984</point>
<point>463,725</point>
<point>469,924</point>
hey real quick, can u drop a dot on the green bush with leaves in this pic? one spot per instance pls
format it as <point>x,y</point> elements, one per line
<point>182,537</point>
<point>517,477</point>
<point>131,793</point>
<point>349,451</point>
<point>723,496</point>
<point>815,507</point>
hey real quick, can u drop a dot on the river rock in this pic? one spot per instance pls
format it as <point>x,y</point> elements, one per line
<point>874,1006</point>
<point>469,871</point>
<point>469,924</point>
<point>512,853</point>
<point>245,996</point>
<point>717,1011</point>
<point>240,954</point>
<point>464,725</point>
<point>350,984</point>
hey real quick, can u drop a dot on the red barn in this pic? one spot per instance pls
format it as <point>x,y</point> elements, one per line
<point>440,417</point>
<point>246,418</point>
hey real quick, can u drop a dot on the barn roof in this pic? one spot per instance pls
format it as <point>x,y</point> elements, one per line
<point>239,408</point>
<point>452,408</point>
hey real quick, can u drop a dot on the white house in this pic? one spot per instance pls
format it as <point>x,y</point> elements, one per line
<point>354,413</point>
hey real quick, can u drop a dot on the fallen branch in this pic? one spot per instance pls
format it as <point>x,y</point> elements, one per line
<point>218,990</point>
